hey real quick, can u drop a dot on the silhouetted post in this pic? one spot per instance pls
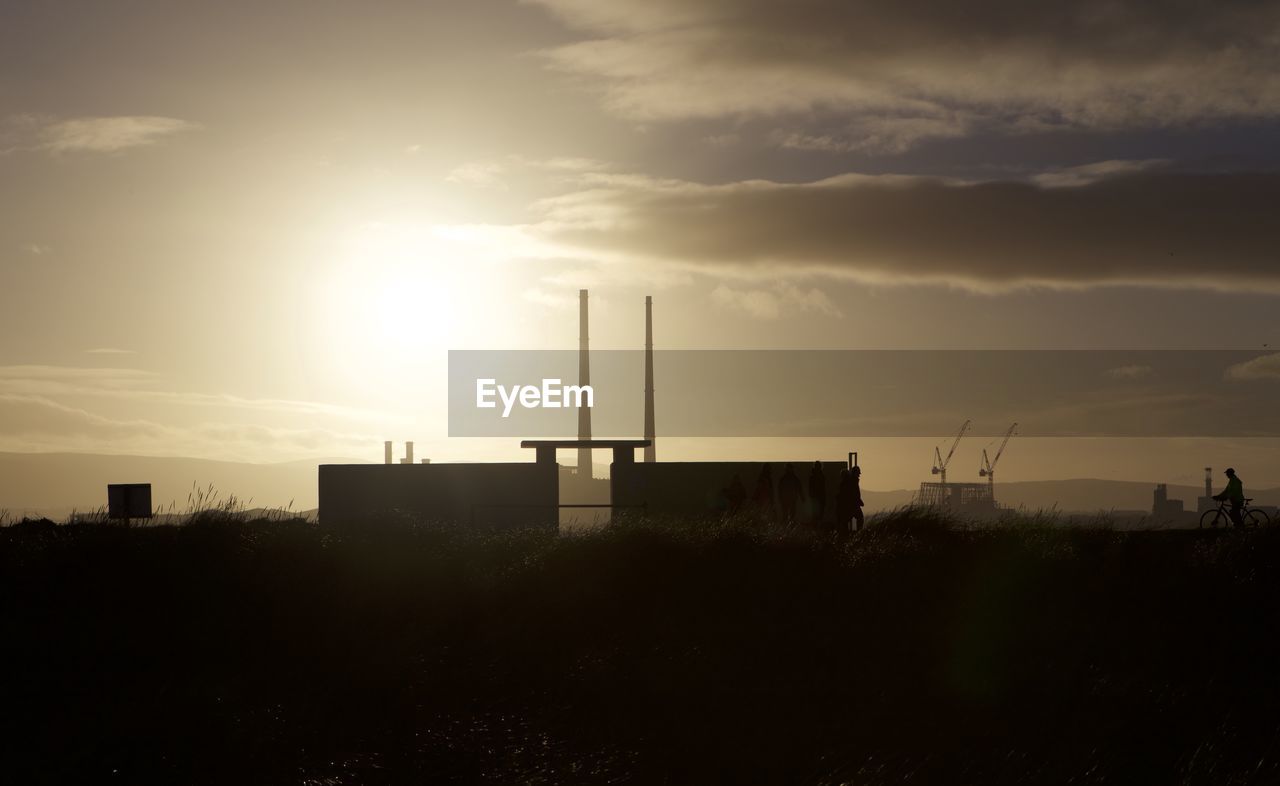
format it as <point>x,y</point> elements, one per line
<point>584,379</point>
<point>650,454</point>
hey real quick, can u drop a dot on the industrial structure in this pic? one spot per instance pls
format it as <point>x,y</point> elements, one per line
<point>535,494</point>
<point>968,498</point>
<point>584,380</point>
<point>940,463</point>
<point>988,468</point>
<point>1207,502</point>
<point>1164,508</point>
<point>960,497</point>
<point>650,432</point>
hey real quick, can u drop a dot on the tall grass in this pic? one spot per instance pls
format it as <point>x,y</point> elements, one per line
<point>920,650</point>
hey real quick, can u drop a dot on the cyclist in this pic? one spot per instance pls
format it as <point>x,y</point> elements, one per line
<point>1234,493</point>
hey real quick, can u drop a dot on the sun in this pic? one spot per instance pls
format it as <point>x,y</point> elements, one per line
<point>396,297</point>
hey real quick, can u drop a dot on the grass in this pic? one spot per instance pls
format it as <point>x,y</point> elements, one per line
<point>921,650</point>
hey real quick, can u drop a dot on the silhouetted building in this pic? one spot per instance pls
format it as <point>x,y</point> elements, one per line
<point>817,493</point>
<point>957,497</point>
<point>501,496</point>
<point>1162,506</point>
<point>1207,502</point>
<point>698,489</point>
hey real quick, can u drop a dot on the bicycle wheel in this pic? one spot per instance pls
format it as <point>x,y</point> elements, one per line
<point>1212,518</point>
<point>1256,518</point>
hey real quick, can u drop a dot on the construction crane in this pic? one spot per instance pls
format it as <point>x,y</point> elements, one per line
<point>988,468</point>
<point>940,463</point>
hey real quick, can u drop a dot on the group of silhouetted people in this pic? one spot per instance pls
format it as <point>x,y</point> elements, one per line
<point>790,505</point>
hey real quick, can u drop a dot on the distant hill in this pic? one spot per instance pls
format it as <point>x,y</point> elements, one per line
<point>55,484</point>
<point>1086,495</point>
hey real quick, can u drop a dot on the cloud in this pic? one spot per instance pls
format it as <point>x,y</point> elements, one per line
<point>109,134</point>
<point>37,249</point>
<point>1156,228</point>
<point>1130,372</point>
<point>138,385</point>
<point>723,141</point>
<point>35,422</point>
<point>1087,174</point>
<point>561,163</point>
<point>1264,367</point>
<point>29,415</point>
<point>68,408</point>
<point>482,174</point>
<point>98,378</point>
<point>757,303</point>
<point>912,71</point>
<point>561,299</point>
<point>873,134</point>
<point>514,169</point>
<point>593,273</point>
<point>770,304</point>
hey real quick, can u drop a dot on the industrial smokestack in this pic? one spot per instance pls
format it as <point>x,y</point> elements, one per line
<point>1208,481</point>
<point>408,453</point>
<point>386,452</point>
<point>650,454</point>
<point>584,379</point>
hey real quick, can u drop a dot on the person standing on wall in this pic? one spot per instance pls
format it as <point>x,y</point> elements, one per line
<point>846,496</point>
<point>856,476</point>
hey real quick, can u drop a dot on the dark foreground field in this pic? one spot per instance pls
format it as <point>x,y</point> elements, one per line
<point>649,653</point>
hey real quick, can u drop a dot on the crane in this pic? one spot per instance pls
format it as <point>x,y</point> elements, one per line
<point>988,468</point>
<point>940,463</point>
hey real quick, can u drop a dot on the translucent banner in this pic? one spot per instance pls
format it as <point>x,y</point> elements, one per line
<point>872,393</point>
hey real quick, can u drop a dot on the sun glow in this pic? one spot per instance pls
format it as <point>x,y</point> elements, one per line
<point>398,296</point>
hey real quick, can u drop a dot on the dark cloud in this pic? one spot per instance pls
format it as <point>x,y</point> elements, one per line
<point>1152,228</point>
<point>901,71</point>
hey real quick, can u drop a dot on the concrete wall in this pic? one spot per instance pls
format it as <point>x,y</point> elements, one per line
<point>488,496</point>
<point>695,488</point>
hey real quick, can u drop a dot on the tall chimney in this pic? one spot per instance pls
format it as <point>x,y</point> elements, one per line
<point>650,454</point>
<point>1208,481</point>
<point>386,452</point>
<point>408,453</point>
<point>584,379</point>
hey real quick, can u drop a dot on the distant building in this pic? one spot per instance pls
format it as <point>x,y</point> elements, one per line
<point>1162,506</point>
<point>972,498</point>
<point>1207,502</point>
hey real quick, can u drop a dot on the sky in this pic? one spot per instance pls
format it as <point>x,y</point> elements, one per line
<point>251,231</point>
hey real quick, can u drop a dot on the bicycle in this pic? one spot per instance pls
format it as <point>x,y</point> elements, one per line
<point>1252,517</point>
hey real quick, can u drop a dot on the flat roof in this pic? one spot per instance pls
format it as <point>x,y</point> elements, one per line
<point>585,443</point>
